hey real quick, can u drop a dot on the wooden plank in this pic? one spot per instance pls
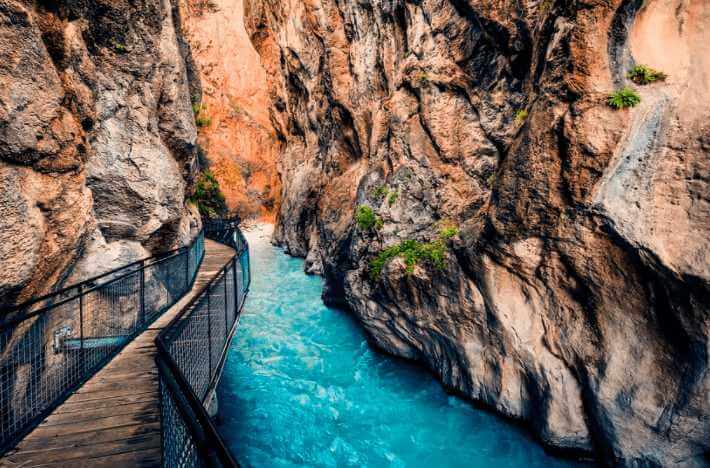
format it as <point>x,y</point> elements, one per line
<point>110,382</point>
<point>102,449</point>
<point>99,413</point>
<point>118,386</point>
<point>102,395</point>
<point>70,407</point>
<point>49,431</point>
<point>149,458</point>
<point>88,438</point>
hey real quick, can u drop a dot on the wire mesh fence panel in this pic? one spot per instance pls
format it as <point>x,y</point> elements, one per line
<point>217,322</point>
<point>110,319</point>
<point>189,346</point>
<point>230,296</point>
<point>33,369</point>
<point>245,274</point>
<point>178,446</point>
<point>195,255</point>
<point>165,282</point>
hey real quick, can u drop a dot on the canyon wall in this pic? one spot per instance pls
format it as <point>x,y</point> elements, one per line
<point>97,139</point>
<point>574,294</point>
<point>236,134</point>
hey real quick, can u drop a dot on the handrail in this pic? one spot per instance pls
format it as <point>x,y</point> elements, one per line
<point>40,363</point>
<point>4,311</point>
<point>186,347</point>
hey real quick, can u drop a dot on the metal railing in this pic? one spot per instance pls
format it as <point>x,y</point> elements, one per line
<point>192,351</point>
<point>51,345</point>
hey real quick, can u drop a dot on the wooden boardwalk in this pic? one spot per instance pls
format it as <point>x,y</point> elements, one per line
<point>113,420</point>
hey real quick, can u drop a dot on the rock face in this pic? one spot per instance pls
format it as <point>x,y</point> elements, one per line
<point>237,135</point>
<point>576,296</point>
<point>97,139</point>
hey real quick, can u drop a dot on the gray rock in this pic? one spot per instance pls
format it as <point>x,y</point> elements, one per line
<point>97,140</point>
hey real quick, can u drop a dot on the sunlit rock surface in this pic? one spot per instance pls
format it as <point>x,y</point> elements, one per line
<point>97,139</point>
<point>237,136</point>
<point>576,295</point>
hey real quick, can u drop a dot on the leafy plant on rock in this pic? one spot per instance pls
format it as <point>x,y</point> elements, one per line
<point>366,219</point>
<point>414,252</point>
<point>379,192</point>
<point>623,98</point>
<point>491,180</point>
<point>421,78</point>
<point>643,75</point>
<point>448,232</point>
<point>203,122</point>
<point>208,196</point>
<point>120,47</point>
<point>201,119</point>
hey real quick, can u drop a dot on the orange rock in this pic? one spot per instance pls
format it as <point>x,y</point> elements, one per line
<point>240,140</point>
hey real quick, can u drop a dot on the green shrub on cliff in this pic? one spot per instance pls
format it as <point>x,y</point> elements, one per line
<point>414,252</point>
<point>378,193</point>
<point>643,75</point>
<point>491,180</point>
<point>203,121</point>
<point>208,196</point>
<point>521,115</point>
<point>200,111</point>
<point>447,232</point>
<point>366,218</point>
<point>392,198</point>
<point>421,78</point>
<point>623,98</point>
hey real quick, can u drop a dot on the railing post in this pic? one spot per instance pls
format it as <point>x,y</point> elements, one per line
<point>141,318</point>
<point>187,268</point>
<point>226,320</point>
<point>209,330</point>
<point>249,266</point>
<point>236,288</point>
<point>81,330</point>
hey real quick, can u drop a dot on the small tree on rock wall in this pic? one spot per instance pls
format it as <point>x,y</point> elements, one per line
<point>208,196</point>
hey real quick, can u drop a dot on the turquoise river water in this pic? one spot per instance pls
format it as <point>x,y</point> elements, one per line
<point>302,387</point>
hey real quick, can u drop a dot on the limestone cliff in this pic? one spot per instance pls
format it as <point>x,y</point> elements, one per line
<point>97,139</point>
<point>576,294</point>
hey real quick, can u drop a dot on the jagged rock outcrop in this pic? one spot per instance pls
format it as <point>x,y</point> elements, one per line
<point>576,296</point>
<point>97,139</point>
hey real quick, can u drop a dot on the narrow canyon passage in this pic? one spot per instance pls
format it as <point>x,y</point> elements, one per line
<point>302,387</point>
<point>515,194</point>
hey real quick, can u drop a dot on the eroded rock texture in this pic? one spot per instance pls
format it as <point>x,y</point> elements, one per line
<point>577,293</point>
<point>97,139</point>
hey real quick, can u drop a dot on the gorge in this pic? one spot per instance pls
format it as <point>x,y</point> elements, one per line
<point>453,169</point>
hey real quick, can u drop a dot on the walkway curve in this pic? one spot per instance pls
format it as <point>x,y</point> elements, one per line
<point>114,418</point>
